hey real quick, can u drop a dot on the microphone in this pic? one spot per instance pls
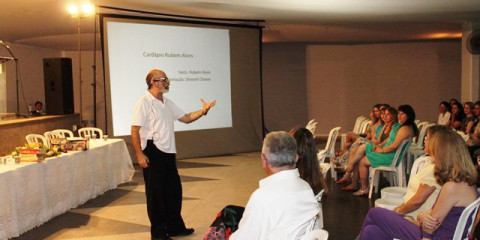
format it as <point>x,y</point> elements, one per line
<point>8,49</point>
<point>5,45</point>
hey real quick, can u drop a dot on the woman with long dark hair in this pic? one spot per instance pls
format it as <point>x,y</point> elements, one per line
<point>376,156</point>
<point>457,117</point>
<point>389,127</point>
<point>469,119</point>
<point>307,163</point>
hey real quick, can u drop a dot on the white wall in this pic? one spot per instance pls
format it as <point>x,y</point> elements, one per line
<point>345,81</point>
<point>31,75</point>
<point>30,61</point>
<point>333,84</point>
<point>284,86</point>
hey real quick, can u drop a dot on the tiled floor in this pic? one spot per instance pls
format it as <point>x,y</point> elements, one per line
<point>209,184</point>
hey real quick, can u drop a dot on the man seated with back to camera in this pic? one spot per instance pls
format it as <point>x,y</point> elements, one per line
<point>284,204</point>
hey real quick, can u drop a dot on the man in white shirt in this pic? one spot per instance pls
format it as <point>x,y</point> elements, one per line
<point>284,205</point>
<point>154,142</point>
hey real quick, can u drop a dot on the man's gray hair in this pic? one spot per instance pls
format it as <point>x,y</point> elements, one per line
<point>280,149</point>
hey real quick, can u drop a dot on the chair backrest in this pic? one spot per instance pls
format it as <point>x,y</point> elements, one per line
<point>36,138</point>
<point>319,195</point>
<point>332,138</point>
<point>366,123</point>
<point>401,150</point>
<point>51,135</point>
<point>315,234</point>
<point>63,133</point>
<point>358,123</point>
<point>422,127</point>
<point>312,126</point>
<point>311,121</point>
<point>470,211</point>
<point>90,131</point>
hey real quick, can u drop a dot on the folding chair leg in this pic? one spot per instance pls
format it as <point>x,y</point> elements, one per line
<point>373,181</point>
<point>333,172</point>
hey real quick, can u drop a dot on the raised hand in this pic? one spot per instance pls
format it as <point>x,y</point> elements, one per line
<point>206,106</point>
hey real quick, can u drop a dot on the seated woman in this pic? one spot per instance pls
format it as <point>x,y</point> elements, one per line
<point>342,157</point>
<point>444,115</point>
<point>469,119</point>
<point>307,163</point>
<point>455,172</point>
<point>423,188</point>
<point>381,137</point>
<point>352,137</point>
<point>382,155</point>
<point>457,116</point>
<point>473,141</point>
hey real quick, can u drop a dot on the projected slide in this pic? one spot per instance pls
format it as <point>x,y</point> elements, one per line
<point>196,60</point>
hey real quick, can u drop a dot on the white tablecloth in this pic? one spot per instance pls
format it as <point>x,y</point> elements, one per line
<point>33,193</point>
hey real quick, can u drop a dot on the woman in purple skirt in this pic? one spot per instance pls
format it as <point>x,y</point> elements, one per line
<point>455,172</point>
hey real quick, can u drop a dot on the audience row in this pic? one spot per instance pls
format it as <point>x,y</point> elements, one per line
<point>284,206</point>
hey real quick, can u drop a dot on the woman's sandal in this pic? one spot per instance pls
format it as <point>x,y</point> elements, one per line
<point>343,181</point>
<point>361,192</point>
<point>349,188</point>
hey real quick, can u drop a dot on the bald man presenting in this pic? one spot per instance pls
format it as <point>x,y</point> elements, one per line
<point>153,139</point>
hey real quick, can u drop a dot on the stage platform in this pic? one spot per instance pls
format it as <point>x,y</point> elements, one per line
<point>13,131</point>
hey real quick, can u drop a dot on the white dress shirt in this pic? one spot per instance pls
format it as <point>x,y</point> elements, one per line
<point>281,208</point>
<point>156,121</point>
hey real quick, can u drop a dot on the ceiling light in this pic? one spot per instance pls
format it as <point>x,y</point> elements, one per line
<point>88,9</point>
<point>84,10</point>
<point>73,9</point>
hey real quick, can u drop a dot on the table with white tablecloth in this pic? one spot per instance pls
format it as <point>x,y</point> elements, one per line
<point>33,193</point>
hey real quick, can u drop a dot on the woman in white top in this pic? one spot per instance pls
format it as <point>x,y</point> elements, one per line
<point>423,188</point>
<point>444,116</point>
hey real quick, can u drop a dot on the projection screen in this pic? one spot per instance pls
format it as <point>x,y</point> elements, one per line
<point>202,60</point>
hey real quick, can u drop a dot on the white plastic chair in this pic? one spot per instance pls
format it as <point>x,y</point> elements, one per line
<point>462,221</point>
<point>319,222</point>
<point>63,133</point>
<point>316,234</point>
<point>416,148</point>
<point>51,135</point>
<point>366,123</point>
<point>324,167</point>
<point>329,150</point>
<point>311,121</point>
<point>313,230</point>
<point>90,131</point>
<point>418,141</point>
<point>399,170</point>
<point>312,126</point>
<point>391,197</point>
<point>36,138</point>
<point>357,124</point>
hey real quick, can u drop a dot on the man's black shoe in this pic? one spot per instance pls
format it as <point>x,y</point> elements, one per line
<point>185,232</point>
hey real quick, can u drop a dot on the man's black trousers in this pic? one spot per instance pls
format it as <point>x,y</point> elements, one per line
<point>164,192</point>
